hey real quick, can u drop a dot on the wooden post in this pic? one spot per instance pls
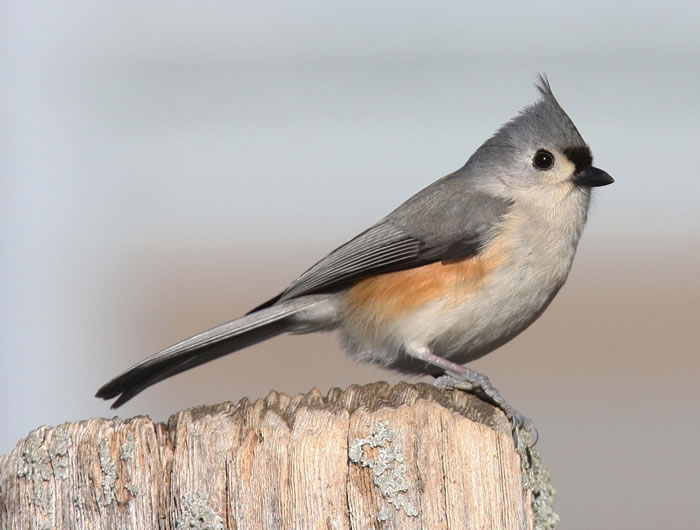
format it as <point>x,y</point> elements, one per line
<point>374,456</point>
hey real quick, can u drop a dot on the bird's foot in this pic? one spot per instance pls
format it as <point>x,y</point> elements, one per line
<point>480,385</point>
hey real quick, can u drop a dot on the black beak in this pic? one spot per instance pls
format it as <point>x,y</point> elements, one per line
<point>592,177</point>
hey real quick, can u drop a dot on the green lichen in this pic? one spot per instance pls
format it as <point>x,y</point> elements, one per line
<point>37,469</point>
<point>58,453</point>
<point>388,468</point>
<point>127,449</point>
<point>197,514</point>
<point>109,471</point>
<point>538,480</point>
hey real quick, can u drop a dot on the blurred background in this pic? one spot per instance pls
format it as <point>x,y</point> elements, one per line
<point>165,166</point>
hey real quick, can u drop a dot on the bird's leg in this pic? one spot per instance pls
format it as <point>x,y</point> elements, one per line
<point>480,385</point>
<point>462,378</point>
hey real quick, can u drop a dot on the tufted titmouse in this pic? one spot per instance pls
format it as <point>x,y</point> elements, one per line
<point>454,272</point>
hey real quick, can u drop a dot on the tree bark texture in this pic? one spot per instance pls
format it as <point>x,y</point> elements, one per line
<point>374,456</point>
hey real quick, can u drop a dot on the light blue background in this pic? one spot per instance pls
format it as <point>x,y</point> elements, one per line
<point>165,166</point>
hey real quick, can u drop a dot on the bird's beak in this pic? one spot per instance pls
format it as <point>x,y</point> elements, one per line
<point>592,177</point>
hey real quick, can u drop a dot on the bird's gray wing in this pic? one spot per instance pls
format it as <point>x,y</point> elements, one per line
<point>443,222</point>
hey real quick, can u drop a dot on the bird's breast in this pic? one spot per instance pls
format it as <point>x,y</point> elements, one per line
<point>463,309</point>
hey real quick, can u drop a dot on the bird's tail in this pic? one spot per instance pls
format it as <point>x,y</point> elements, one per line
<point>207,346</point>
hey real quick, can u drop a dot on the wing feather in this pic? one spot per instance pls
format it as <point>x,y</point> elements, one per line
<point>375,249</point>
<point>421,231</point>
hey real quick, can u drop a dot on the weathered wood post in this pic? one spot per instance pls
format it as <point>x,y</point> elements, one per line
<point>374,456</point>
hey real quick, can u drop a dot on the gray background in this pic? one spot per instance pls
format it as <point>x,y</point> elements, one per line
<point>167,165</point>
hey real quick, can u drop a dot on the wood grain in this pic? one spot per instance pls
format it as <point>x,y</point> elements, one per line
<point>374,456</point>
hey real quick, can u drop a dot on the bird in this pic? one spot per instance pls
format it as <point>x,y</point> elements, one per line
<point>456,271</point>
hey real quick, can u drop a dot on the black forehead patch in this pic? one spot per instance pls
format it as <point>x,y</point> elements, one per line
<point>580,156</point>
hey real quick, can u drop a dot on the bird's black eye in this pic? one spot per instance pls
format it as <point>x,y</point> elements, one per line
<point>543,160</point>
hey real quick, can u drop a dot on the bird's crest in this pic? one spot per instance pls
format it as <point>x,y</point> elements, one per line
<point>543,123</point>
<point>543,86</point>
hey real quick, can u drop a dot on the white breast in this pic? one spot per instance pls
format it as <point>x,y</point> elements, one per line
<point>539,244</point>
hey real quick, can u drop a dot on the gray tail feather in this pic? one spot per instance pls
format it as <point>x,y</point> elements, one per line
<point>207,346</point>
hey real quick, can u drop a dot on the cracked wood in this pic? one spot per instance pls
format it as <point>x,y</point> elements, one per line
<point>375,456</point>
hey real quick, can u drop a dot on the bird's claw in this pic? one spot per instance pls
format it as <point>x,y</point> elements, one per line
<point>519,424</point>
<point>480,385</point>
